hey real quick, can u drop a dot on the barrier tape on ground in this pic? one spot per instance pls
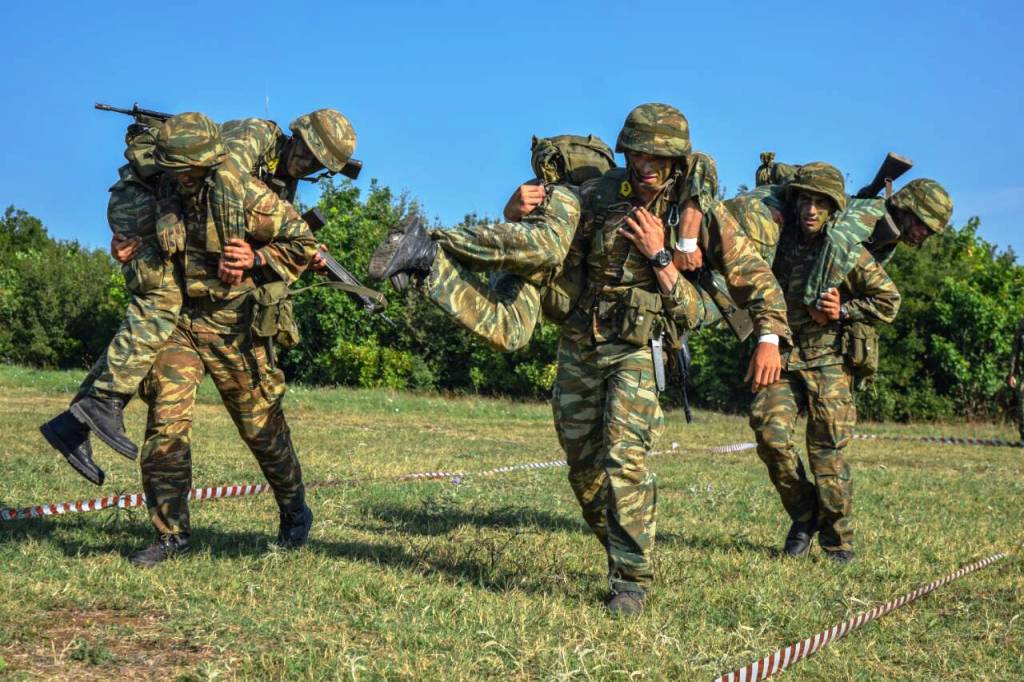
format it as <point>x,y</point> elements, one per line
<point>787,656</point>
<point>944,440</point>
<point>231,491</point>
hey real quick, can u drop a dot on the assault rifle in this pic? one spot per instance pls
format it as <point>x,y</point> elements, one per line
<point>684,361</point>
<point>892,167</point>
<point>143,116</point>
<point>371,301</point>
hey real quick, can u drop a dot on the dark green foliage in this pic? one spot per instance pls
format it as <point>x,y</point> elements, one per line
<point>59,302</point>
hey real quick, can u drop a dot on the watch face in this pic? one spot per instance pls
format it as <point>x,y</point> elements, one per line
<point>662,258</point>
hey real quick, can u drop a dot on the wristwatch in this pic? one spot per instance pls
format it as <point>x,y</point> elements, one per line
<point>660,259</point>
<point>257,260</point>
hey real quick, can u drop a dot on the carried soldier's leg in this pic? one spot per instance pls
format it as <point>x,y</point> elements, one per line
<point>831,416</point>
<point>149,320</point>
<point>252,391</point>
<point>166,462</point>
<point>773,415</point>
<point>503,312</point>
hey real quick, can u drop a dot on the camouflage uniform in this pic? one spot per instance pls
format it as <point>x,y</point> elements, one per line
<point>150,277</point>
<point>504,312</point>
<point>815,379</point>
<point>213,334</point>
<point>605,400</point>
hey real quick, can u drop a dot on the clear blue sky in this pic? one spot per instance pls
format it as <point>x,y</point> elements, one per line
<point>445,95</point>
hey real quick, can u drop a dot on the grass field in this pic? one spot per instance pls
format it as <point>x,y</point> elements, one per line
<point>495,576</point>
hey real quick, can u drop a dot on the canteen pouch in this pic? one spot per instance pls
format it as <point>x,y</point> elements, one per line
<point>860,350</point>
<point>640,310</point>
<point>273,316</point>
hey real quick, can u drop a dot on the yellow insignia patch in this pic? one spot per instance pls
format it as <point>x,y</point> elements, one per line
<point>272,165</point>
<point>625,189</point>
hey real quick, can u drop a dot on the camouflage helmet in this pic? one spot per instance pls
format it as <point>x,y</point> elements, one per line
<point>329,135</point>
<point>820,178</point>
<point>926,199</point>
<point>189,140</point>
<point>655,129</point>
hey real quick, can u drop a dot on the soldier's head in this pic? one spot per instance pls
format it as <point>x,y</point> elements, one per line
<point>321,139</point>
<point>654,138</point>
<point>189,146</point>
<point>920,208</point>
<point>816,194</point>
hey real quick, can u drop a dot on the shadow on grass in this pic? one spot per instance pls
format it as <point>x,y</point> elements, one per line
<point>422,519</point>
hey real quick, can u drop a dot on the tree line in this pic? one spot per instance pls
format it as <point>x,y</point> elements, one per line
<point>945,356</point>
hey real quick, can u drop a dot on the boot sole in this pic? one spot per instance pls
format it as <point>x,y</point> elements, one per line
<point>112,443</point>
<point>97,477</point>
<point>382,257</point>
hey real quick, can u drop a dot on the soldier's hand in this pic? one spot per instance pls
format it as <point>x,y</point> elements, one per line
<point>830,304</point>
<point>229,275</point>
<point>1012,381</point>
<point>318,264</point>
<point>820,318</point>
<point>123,248</point>
<point>765,366</point>
<point>645,230</point>
<point>523,201</point>
<point>237,254</point>
<point>684,262</point>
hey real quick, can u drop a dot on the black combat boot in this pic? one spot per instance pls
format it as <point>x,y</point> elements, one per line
<point>104,414</point>
<point>407,249</point>
<point>798,540</point>
<point>295,524</point>
<point>70,437</point>
<point>166,547</point>
<point>627,603</point>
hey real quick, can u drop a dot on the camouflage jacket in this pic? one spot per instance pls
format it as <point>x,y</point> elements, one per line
<point>232,203</point>
<point>255,144</point>
<point>620,283</point>
<point>131,210</point>
<point>867,292</point>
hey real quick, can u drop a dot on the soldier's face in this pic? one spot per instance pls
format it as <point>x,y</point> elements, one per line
<point>648,172</point>
<point>190,180</point>
<point>914,232</point>
<point>813,211</point>
<point>301,161</point>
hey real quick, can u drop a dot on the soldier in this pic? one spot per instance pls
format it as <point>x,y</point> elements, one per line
<point>605,398</point>
<point>1011,377</point>
<point>242,246</point>
<point>321,139</point>
<point>815,377</point>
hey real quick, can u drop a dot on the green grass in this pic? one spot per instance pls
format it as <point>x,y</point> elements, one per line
<point>496,576</point>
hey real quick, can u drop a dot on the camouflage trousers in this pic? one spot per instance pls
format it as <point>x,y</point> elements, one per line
<point>505,309</point>
<point>824,392</point>
<point>156,289</point>
<point>607,417</point>
<point>252,393</point>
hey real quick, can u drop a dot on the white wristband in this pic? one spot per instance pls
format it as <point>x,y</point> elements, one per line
<point>686,245</point>
<point>769,338</point>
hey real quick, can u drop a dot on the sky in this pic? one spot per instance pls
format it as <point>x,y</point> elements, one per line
<point>445,96</point>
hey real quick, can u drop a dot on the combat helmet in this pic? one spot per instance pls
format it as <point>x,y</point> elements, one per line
<point>189,140</point>
<point>655,129</point>
<point>820,178</point>
<point>329,135</point>
<point>926,199</point>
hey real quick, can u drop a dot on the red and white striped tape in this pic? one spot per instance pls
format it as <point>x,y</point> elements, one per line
<point>787,656</point>
<point>229,491</point>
